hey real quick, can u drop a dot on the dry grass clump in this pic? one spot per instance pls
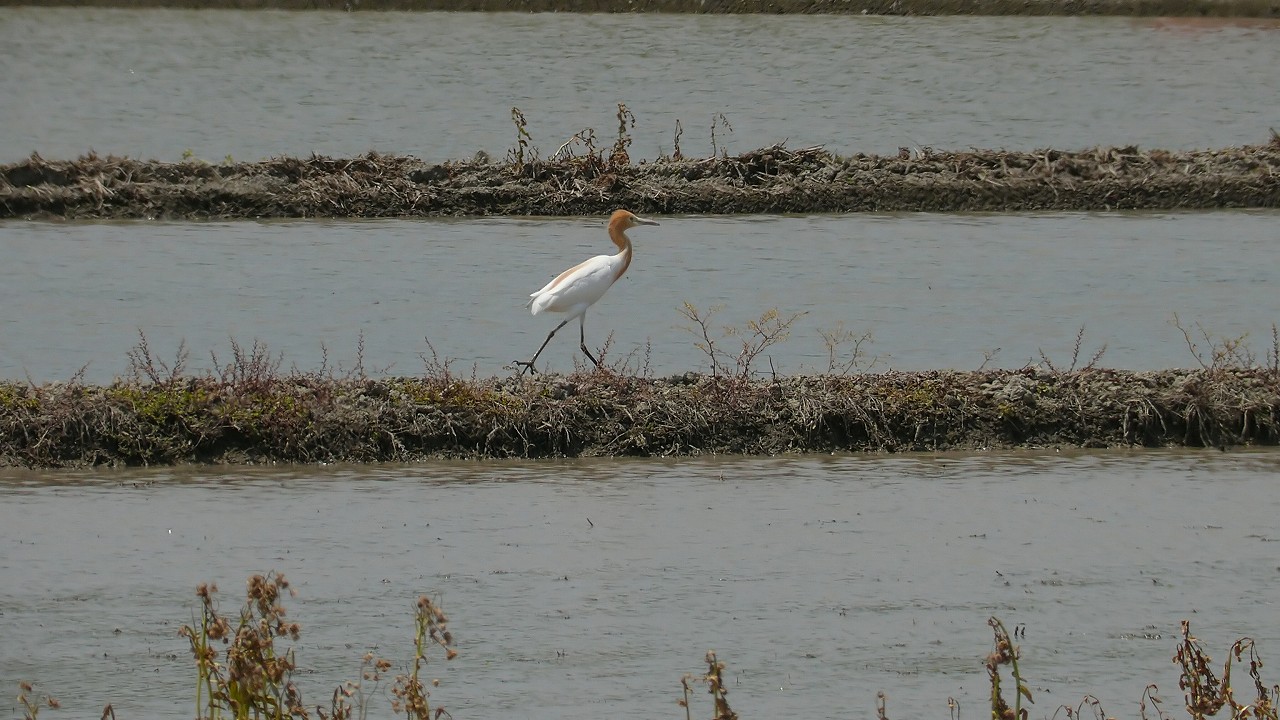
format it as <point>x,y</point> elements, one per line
<point>585,176</point>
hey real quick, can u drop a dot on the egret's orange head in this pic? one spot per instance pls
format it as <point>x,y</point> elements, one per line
<point>623,219</point>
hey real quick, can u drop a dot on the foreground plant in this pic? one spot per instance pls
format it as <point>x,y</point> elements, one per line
<point>1206,695</point>
<point>31,701</point>
<point>251,678</point>
<point>350,700</point>
<point>1005,653</point>
<point>432,628</point>
<point>714,678</point>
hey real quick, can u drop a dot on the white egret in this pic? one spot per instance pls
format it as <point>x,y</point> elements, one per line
<point>579,287</point>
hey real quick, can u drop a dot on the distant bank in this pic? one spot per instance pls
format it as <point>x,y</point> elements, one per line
<point>768,180</point>
<point>1134,8</point>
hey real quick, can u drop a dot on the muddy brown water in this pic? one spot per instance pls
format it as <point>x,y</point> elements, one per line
<point>577,589</point>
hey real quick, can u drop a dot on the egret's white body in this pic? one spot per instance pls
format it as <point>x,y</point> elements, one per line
<point>578,288</point>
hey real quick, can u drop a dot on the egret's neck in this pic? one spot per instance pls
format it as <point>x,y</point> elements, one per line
<point>619,238</point>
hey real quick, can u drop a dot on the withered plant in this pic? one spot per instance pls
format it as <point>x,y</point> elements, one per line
<point>254,370</point>
<point>842,361</point>
<point>1228,353</point>
<point>146,367</point>
<point>1075,357</point>
<point>523,151</point>
<point>242,672</point>
<point>1149,697</point>
<point>714,679</point>
<point>1005,653</point>
<point>618,156</point>
<point>1077,713</point>
<point>770,329</point>
<point>593,162</point>
<point>409,692</point>
<point>350,700</point>
<point>32,700</point>
<point>1206,695</point>
<point>719,120</point>
<point>250,677</point>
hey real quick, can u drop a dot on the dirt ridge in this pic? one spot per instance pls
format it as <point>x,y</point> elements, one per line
<point>308,419</point>
<point>768,180</point>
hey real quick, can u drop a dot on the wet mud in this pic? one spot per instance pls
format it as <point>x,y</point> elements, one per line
<point>250,418</point>
<point>1166,8</point>
<point>769,180</point>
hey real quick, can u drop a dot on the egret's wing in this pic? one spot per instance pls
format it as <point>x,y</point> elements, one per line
<point>583,283</point>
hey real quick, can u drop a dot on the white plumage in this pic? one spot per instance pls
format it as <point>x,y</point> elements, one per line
<point>578,288</point>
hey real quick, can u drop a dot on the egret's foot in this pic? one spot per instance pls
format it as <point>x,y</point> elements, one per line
<point>525,365</point>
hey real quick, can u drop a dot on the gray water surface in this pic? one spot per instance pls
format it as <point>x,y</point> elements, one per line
<point>587,588</point>
<point>256,84</point>
<point>934,291</point>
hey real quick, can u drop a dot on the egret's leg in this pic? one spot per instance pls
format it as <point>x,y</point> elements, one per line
<point>529,365</point>
<point>582,339</point>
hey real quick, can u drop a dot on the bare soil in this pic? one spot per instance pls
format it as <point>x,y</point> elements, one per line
<point>307,418</point>
<point>768,180</point>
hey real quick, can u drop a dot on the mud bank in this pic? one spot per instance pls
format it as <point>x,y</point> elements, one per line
<point>305,419</point>
<point>769,180</point>
<point>1166,8</point>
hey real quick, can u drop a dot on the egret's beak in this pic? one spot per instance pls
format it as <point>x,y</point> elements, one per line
<point>642,221</point>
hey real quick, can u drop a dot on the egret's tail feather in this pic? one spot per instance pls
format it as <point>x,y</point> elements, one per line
<point>538,302</point>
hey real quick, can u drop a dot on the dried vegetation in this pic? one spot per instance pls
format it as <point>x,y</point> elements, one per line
<point>250,411</point>
<point>583,179</point>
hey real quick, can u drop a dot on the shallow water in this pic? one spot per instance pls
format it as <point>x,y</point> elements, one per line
<point>583,588</point>
<point>934,291</point>
<point>161,83</point>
